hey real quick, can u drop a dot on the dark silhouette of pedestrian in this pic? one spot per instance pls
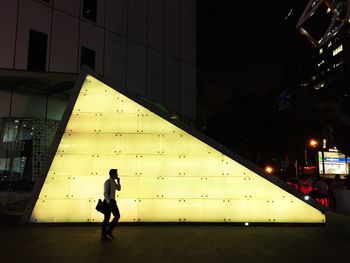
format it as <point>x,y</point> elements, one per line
<point>110,186</point>
<point>320,188</point>
<point>336,184</point>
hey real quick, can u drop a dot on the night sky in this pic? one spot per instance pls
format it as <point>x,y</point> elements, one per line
<point>249,52</point>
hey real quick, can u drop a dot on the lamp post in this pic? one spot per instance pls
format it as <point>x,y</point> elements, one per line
<point>312,143</point>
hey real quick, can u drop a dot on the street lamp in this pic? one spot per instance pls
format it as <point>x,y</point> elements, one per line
<point>269,169</point>
<point>311,143</point>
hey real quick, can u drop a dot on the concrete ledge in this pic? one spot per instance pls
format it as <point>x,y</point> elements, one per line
<point>338,224</point>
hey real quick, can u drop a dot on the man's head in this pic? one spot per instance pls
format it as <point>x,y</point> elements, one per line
<point>113,173</point>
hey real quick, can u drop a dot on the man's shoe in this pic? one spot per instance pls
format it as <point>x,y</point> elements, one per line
<point>105,238</point>
<point>110,235</point>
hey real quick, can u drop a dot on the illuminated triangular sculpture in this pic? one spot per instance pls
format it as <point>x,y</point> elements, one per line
<point>169,172</point>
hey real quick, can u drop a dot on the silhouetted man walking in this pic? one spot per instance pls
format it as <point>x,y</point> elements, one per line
<point>110,186</point>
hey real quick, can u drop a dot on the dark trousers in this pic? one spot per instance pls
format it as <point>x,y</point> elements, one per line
<point>106,226</point>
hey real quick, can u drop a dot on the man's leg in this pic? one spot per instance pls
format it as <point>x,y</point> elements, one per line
<point>105,224</point>
<point>116,214</point>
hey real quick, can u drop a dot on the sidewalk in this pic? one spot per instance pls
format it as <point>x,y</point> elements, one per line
<point>172,243</point>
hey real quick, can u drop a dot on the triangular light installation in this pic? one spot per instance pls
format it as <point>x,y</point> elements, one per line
<point>167,174</point>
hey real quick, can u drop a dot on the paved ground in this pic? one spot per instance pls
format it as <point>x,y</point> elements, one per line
<point>173,243</point>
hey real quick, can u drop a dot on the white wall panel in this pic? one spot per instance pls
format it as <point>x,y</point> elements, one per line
<point>8,19</point>
<point>188,91</point>
<point>155,76</point>
<point>188,36</point>
<point>64,48</point>
<point>40,22</point>
<point>137,19</point>
<point>172,84</point>
<point>136,68</point>
<point>156,24</point>
<point>5,100</point>
<point>172,27</point>
<point>92,37</point>
<point>115,58</point>
<point>116,16</point>
<point>28,106</point>
<point>69,6</point>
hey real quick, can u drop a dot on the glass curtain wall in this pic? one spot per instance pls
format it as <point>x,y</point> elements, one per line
<point>30,110</point>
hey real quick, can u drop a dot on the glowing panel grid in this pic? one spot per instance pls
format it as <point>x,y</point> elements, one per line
<point>167,175</point>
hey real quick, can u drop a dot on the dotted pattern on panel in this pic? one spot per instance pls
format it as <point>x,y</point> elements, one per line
<point>43,133</point>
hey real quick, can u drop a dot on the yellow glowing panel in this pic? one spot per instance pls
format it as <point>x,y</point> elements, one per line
<point>199,210</point>
<point>201,165</point>
<point>74,210</point>
<point>167,174</point>
<point>130,205</point>
<point>150,123</point>
<point>56,188</point>
<point>165,210</point>
<point>159,165</point>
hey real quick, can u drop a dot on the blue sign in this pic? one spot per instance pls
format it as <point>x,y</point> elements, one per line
<point>335,159</point>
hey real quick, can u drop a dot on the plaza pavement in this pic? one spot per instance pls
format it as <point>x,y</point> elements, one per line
<point>175,243</point>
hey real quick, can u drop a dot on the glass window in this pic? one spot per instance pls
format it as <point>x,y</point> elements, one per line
<point>90,9</point>
<point>337,50</point>
<point>16,143</point>
<point>87,57</point>
<point>37,50</point>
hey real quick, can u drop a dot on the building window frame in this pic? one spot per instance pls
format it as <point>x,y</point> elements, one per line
<point>37,50</point>
<point>87,57</point>
<point>89,10</point>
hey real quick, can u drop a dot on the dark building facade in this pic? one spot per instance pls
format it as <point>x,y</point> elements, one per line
<point>326,83</point>
<point>145,46</point>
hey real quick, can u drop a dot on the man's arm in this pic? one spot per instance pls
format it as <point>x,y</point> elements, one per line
<point>106,191</point>
<point>119,187</point>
